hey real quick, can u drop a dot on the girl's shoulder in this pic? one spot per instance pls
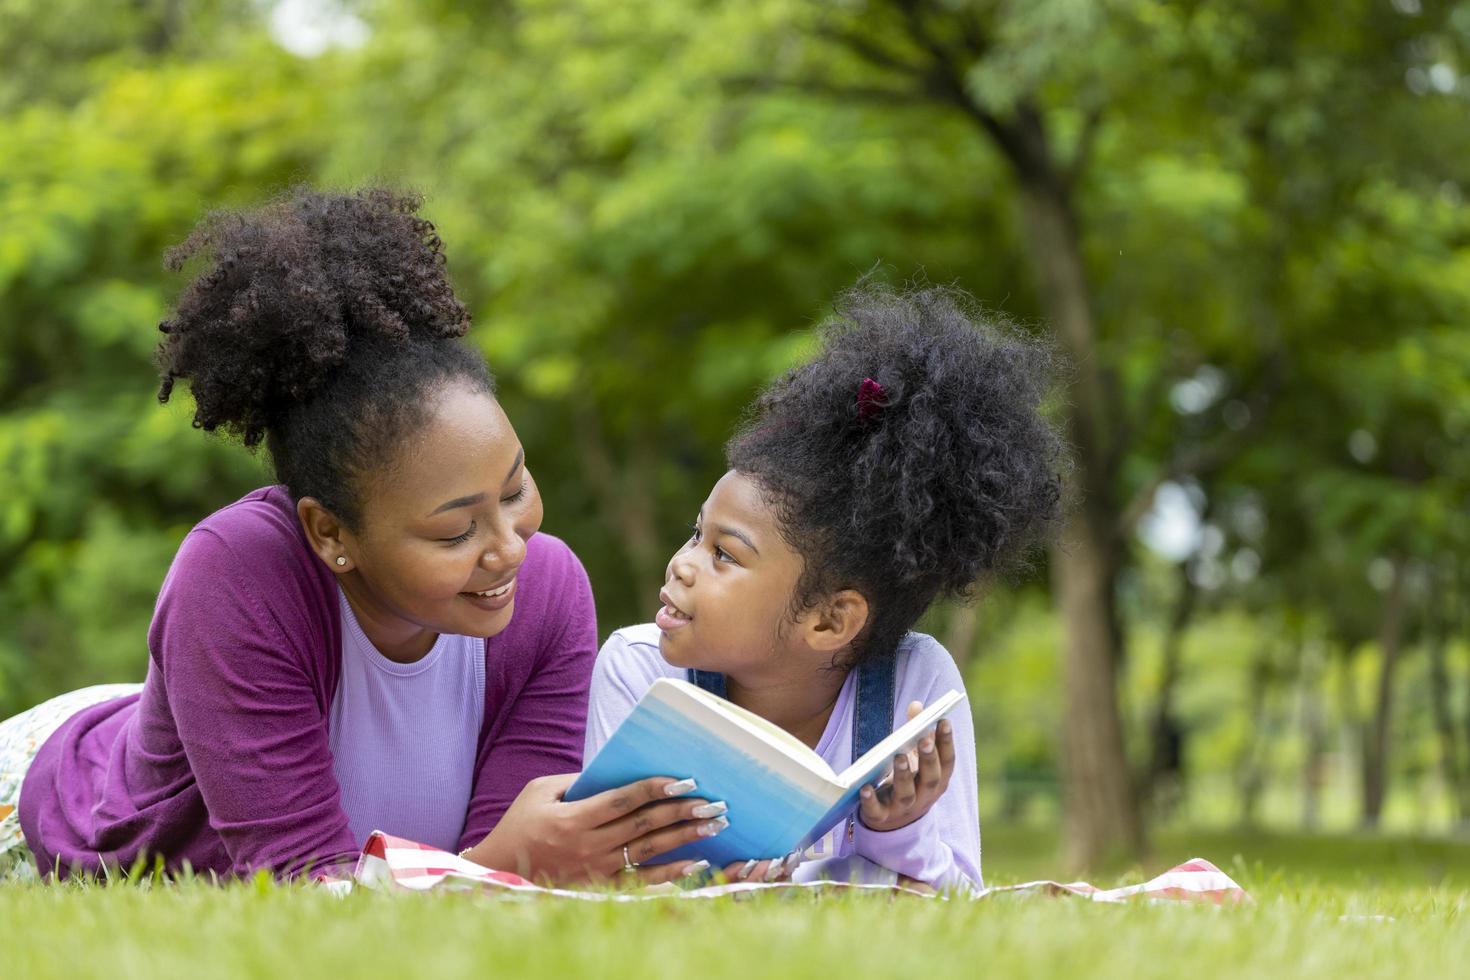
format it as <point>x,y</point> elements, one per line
<point>924,665</point>
<point>631,656</point>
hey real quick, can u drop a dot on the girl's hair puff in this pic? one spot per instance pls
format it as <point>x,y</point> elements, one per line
<point>952,479</point>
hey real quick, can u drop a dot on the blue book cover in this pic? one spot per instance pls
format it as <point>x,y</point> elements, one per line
<point>781,795</point>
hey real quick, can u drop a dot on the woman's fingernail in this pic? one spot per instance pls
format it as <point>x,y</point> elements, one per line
<point>709,810</point>
<point>792,860</point>
<point>926,747</point>
<point>745,869</point>
<point>713,827</point>
<point>680,788</point>
<point>944,728</point>
<point>867,792</point>
<point>696,868</point>
<point>902,762</point>
<point>774,871</point>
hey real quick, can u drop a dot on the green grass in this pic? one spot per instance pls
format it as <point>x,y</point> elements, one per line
<point>1304,888</point>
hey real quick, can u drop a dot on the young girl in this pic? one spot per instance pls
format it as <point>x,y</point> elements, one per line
<point>904,463</point>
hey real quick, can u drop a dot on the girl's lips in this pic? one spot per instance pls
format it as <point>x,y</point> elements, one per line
<point>668,621</point>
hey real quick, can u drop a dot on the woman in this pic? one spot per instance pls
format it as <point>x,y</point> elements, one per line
<point>381,641</point>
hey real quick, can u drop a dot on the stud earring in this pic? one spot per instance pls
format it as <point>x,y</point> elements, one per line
<point>341,560</point>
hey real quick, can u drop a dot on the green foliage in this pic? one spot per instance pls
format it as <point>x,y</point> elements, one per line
<point>645,202</point>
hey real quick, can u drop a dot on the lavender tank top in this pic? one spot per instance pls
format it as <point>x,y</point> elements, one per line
<point>404,736</point>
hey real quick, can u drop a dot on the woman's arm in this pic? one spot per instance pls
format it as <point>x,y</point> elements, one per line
<point>539,731</point>
<point>248,711</point>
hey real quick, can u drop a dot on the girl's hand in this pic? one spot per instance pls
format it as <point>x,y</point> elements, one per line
<point>919,779</point>
<point>544,838</point>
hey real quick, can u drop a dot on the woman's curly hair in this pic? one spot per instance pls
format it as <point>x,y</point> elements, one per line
<point>948,477</point>
<point>320,326</point>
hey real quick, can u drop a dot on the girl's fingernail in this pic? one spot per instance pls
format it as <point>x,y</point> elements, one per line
<point>944,728</point>
<point>745,869</point>
<point>926,747</point>
<point>709,810</point>
<point>792,860</point>
<point>903,762</point>
<point>774,871</point>
<point>713,827</point>
<point>680,788</point>
<point>696,868</point>
<point>867,792</point>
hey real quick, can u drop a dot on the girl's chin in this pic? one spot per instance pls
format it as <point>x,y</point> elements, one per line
<point>672,653</point>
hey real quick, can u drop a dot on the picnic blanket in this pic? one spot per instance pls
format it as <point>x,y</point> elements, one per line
<point>392,863</point>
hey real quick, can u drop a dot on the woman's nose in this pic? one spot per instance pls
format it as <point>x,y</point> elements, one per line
<point>506,552</point>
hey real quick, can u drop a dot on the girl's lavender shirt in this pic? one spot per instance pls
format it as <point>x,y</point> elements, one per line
<point>224,760</point>
<point>941,848</point>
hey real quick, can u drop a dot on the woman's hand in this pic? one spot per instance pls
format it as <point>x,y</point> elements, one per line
<point>544,838</point>
<point>771,870</point>
<point>919,779</point>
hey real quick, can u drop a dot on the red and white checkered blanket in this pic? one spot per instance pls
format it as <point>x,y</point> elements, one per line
<point>394,863</point>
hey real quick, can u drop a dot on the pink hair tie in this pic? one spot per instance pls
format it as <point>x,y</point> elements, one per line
<point>871,399</point>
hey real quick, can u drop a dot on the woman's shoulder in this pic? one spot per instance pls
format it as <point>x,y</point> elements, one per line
<point>249,561</point>
<point>259,527</point>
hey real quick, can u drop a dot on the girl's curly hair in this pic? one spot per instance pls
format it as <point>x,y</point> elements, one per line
<point>949,477</point>
<point>320,326</point>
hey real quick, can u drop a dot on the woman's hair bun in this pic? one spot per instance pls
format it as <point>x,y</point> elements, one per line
<point>292,291</point>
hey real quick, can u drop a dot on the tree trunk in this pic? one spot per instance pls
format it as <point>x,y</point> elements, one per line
<point>1375,744</point>
<point>1444,720</point>
<point>1102,817</point>
<point>1314,736</point>
<point>624,498</point>
<point>1163,784</point>
<point>960,632</point>
<point>1250,768</point>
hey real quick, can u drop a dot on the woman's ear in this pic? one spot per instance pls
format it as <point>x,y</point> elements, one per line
<point>837,621</point>
<point>331,541</point>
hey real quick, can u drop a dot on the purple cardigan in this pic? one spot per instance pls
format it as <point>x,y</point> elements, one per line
<point>223,759</point>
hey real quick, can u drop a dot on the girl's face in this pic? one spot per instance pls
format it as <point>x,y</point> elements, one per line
<point>727,592</point>
<point>444,531</point>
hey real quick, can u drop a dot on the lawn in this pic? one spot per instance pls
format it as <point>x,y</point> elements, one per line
<point>1315,916</point>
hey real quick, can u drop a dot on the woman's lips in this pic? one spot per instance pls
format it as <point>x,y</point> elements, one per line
<point>497,598</point>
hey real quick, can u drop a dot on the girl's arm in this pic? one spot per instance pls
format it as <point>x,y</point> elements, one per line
<point>941,848</point>
<point>627,666</point>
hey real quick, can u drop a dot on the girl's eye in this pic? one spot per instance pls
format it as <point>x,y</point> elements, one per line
<point>722,555</point>
<point>694,533</point>
<point>461,538</point>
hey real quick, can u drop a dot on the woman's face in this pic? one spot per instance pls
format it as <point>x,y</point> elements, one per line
<point>443,530</point>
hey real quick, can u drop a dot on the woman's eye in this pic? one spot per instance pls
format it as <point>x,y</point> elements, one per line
<point>519,494</point>
<point>461,538</point>
<point>723,555</point>
<point>694,533</point>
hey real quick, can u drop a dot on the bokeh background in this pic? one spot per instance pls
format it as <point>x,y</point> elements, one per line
<point>1242,221</point>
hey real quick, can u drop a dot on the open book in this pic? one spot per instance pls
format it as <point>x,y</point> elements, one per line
<point>781,795</point>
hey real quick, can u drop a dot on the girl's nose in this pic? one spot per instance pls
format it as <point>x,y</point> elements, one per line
<point>680,567</point>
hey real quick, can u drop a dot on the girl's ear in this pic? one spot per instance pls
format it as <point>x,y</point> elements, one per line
<point>332,542</point>
<point>837,621</point>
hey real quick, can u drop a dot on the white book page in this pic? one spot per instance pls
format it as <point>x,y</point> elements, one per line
<point>697,702</point>
<point>903,739</point>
